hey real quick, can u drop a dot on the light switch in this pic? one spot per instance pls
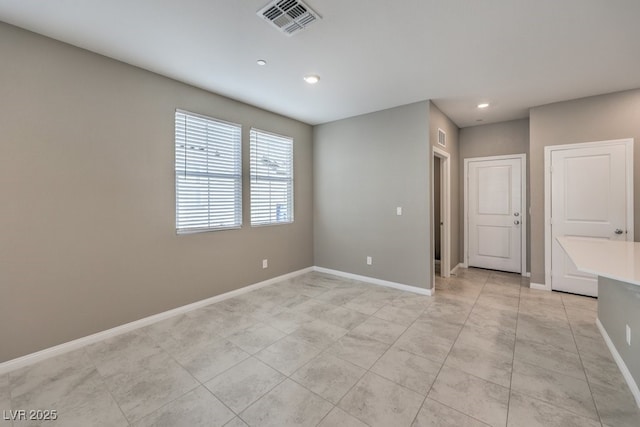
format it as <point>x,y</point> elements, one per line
<point>399,210</point>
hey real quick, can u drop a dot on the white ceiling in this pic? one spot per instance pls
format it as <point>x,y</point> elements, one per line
<point>370,54</point>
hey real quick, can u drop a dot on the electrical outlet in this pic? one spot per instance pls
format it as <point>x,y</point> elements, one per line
<point>265,263</point>
<point>628,335</point>
<point>369,260</point>
<point>399,210</point>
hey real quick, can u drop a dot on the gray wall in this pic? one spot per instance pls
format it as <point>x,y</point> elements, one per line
<point>87,237</point>
<point>597,118</point>
<point>618,306</point>
<point>437,119</point>
<point>497,139</point>
<point>364,167</point>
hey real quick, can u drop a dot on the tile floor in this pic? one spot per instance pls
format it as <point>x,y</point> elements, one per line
<point>320,350</point>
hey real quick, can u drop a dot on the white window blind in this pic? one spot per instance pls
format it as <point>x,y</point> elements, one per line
<point>271,178</point>
<point>208,173</point>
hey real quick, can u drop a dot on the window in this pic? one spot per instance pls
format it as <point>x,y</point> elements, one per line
<point>208,174</point>
<point>271,178</point>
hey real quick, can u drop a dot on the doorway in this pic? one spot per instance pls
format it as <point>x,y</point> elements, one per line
<point>589,195</point>
<point>440,214</point>
<point>495,215</point>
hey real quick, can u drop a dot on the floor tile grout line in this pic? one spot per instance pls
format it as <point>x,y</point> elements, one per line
<point>325,348</point>
<point>333,405</point>
<point>443,363</point>
<point>572,411</point>
<point>513,359</point>
<point>562,408</point>
<point>104,384</point>
<point>102,381</point>
<point>200,383</point>
<point>286,376</point>
<point>268,391</point>
<point>445,360</point>
<point>488,277</point>
<point>323,352</point>
<point>593,399</point>
<point>368,370</point>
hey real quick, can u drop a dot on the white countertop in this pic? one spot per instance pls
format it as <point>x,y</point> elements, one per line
<point>616,260</point>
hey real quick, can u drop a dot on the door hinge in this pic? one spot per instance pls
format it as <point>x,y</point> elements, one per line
<point>550,221</point>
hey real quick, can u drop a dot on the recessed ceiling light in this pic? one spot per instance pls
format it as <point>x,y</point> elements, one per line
<point>261,62</point>
<point>312,79</point>
<point>483,105</point>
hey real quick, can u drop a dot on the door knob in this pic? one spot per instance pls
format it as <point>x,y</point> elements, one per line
<point>516,214</point>
<point>618,231</point>
<point>516,222</point>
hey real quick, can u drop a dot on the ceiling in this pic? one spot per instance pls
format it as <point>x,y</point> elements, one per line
<point>370,54</point>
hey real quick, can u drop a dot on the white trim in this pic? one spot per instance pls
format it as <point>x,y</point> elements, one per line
<point>523,216</point>
<point>539,286</point>
<point>47,353</point>
<point>29,359</point>
<point>460,265</point>
<point>620,362</point>
<point>527,274</point>
<point>373,280</point>
<point>445,215</point>
<point>523,205</point>
<point>628,143</point>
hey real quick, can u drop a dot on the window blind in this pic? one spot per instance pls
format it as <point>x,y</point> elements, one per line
<point>208,173</point>
<point>271,178</point>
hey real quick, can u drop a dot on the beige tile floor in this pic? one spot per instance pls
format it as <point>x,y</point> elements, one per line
<point>320,350</point>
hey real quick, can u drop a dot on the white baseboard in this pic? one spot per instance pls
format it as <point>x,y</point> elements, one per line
<point>375,281</point>
<point>455,269</point>
<point>29,359</point>
<point>620,362</point>
<point>526,274</point>
<point>539,286</point>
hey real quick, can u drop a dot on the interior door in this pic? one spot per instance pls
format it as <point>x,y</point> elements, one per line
<point>495,213</point>
<point>588,201</point>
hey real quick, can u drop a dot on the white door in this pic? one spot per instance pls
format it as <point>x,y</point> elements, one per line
<point>588,201</point>
<point>495,213</point>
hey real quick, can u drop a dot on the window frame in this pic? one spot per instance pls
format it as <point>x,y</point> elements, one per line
<point>253,178</point>
<point>234,147</point>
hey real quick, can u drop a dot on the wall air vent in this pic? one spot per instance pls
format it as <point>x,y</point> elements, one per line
<point>442,138</point>
<point>288,16</point>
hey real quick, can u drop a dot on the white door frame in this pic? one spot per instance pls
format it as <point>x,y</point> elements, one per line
<point>548,150</point>
<point>445,214</point>
<point>523,202</point>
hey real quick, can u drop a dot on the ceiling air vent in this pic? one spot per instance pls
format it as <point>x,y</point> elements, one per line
<point>288,16</point>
